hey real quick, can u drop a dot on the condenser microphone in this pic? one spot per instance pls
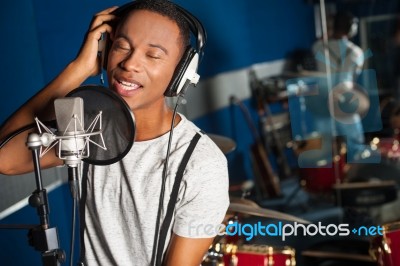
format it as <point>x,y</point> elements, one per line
<point>86,119</point>
<point>73,140</point>
<point>70,129</point>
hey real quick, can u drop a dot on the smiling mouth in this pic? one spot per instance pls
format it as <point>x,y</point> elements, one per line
<point>128,86</point>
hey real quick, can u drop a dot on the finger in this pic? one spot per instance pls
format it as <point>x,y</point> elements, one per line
<point>107,11</point>
<point>98,20</point>
<point>97,32</point>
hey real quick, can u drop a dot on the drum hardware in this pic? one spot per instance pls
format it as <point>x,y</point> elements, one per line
<point>367,194</point>
<point>384,249</point>
<point>214,256</point>
<point>280,123</point>
<point>336,255</point>
<point>267,180</point>
<point>272,88</point>
<point>243,190</point>
<point>276,132</point>
<point>234,238</point>
<point>269,125</point>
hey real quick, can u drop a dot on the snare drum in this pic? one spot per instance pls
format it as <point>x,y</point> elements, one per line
<point>385,249</point>
<point>258,255</point>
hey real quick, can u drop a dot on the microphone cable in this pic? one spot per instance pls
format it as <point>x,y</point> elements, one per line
<point>73,229</point>
<point>163,181</point>
<point>74,186</point>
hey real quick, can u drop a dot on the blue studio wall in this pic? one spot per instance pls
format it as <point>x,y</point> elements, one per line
<point>39,38</point>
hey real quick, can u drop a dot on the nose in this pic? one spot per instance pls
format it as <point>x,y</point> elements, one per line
<point>131,62</point>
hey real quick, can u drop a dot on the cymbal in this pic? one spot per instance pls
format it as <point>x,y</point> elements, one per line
<point>254,209</point>
<point>243,201</point>
<point>225,144</point>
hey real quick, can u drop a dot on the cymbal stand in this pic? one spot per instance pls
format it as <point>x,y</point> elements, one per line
<point>43,238</point>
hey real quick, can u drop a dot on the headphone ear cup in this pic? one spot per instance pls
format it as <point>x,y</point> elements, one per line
<point>105,50</point>
<point>185,71</point>
<point>353,29</point>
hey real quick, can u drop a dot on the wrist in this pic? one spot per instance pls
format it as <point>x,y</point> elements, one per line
<point>79,69</point>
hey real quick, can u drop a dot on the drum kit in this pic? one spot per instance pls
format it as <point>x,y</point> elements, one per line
<point>228,250</point>
<point>234,251</point>
<point>231,251</point>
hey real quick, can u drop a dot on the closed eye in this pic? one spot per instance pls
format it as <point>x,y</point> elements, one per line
<point>153,56</point>
<point>121,45</point>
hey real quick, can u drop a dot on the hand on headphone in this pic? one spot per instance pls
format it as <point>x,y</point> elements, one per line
<point>88,58</point>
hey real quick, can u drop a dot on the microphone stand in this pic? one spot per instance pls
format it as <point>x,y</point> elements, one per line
<point>74,188</point>
<point>43,238</point>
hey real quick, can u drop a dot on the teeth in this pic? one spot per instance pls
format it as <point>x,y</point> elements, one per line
<point>128,85</point>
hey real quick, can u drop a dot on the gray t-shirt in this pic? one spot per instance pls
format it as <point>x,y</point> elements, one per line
<point>121,200</point>
<point>346,59</point>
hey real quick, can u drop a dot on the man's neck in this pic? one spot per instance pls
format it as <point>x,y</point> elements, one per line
<point>151,125</point>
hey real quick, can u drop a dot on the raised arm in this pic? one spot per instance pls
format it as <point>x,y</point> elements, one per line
<point>15,157</point>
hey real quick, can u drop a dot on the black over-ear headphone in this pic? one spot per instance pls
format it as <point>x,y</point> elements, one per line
<point>186,70</point>
<point>353,28</point>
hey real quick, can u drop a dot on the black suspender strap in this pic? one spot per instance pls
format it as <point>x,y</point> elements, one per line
<point>173,198</point>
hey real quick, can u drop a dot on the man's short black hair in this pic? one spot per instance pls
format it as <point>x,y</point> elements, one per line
<point>343,21</point>
<point>164,8</point>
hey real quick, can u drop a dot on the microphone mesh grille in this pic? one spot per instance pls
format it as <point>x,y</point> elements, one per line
<point>118,123</point>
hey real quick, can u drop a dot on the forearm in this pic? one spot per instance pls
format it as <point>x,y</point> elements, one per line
<point>14,157</point>
<point>85,65</point>
<point>186,251</point>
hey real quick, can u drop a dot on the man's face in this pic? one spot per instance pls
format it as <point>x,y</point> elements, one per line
<point>142,59</point>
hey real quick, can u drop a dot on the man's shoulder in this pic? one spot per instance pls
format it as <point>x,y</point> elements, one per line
<point>206,149</point>
<point>355,48</point>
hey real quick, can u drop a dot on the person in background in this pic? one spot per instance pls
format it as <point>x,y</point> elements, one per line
<point>345,62</point>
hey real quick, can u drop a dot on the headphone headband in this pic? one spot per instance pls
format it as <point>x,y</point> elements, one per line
<point>195,26</point>
<point>186,71</point>
<point>197,29</point>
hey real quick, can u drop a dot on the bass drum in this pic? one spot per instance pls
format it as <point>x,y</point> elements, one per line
<point>258,255</point>
<point>319,170</point>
